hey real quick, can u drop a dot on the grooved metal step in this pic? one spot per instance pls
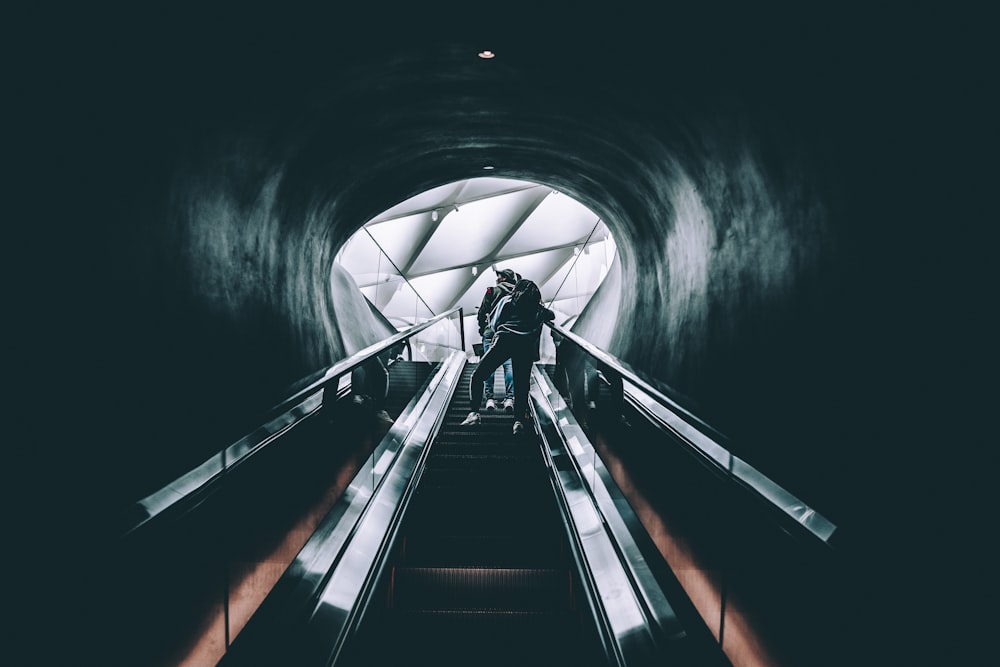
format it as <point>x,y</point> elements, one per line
<point>480,589</point>
<point>480,572</point>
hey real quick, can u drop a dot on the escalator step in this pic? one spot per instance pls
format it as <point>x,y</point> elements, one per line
<point>484,639</point>
<point>459,519</point>
<point>481,572</point>
<point>485,589</point>
<point>423,549</point>
<point>486,484</point>
<point>488,460</point>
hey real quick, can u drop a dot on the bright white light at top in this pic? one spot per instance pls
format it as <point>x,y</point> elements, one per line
<point>486,54</point>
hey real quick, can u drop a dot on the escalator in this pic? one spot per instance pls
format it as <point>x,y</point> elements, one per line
<point>480,570</point>
<point>469,545</point>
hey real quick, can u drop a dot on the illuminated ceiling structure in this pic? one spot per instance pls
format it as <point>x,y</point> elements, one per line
<point>438,250</point>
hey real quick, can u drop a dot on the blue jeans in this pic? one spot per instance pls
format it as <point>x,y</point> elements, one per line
<point>520,351</point>
<point>508,375</point>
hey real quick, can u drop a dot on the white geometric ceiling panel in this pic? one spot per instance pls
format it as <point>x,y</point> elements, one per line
<point>400,238</point>
<point>447,241</point>
<point>466,236</point>
<point>539,266</point>
<point>583,275</point>
<point>472,296</point>
<point>425,201</point>
<point>406,306</point>
<point>484,187</point>
<point>443,288</point>
<point>559,220</point>
<point>363,259</point>
<point>382,292</point>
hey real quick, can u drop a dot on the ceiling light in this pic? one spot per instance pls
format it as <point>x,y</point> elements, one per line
<point>486,54</point>
<point>488,167</point>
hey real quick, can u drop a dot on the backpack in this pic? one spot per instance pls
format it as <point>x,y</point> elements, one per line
<point>525,295</point>
<point>494,317</point>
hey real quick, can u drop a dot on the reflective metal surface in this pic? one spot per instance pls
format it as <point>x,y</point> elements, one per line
<point>326,583</point>
<point>359,357</point>
<point>340,599</point>
<point>659,392</point>
<point>191,482</point>
<point>703,441</point>
<point>302,403</point>
<point>634,609</point>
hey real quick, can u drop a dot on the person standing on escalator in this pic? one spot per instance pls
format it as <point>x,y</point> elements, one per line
<point>517,337</point>
<point>506,279</point>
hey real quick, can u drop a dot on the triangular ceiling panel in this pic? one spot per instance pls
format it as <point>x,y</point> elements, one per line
<point>473,232</point>
<point>425,201</point>
<point>402,237</point>
<point>364,260</point>
<point>477,188</point>
<point>445,243</point>
<point>573,224</point>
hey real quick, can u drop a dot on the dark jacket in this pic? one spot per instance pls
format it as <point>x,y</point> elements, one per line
<point>523,322</point>
<point>490,300</point>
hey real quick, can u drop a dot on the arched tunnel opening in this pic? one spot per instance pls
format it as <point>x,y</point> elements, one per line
<point>442,249</point>
<point>181,189</point>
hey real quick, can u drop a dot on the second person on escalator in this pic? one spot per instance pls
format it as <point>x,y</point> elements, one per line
<point>506,279</point>
<point>518,320</point>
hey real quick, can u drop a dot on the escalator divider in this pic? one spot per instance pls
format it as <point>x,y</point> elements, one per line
<point>629,629</point>
<point>479,572</point>
<point>311,609</point>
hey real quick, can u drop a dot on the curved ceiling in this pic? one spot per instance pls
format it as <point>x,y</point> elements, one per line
<point>438,250</point>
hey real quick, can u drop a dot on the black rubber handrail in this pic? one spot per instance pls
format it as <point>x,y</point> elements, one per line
<point>706,443</point>
<point>653,388</point>
<point>357,359</point>
<point>299,405</point>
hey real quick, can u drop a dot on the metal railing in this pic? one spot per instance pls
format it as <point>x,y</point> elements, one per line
<point>711,447</point>
<point>300,404</point>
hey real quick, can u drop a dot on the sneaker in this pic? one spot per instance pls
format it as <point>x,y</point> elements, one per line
<point>518,427</point>
<point>473,418</point>
<point>491,405</point>
<point>508,405</point>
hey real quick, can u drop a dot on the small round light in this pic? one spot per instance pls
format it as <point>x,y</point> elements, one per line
<point>488,167</point>
<point>487,54</point>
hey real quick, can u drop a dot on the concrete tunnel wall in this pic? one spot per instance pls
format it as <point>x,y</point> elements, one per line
<point>719,252</point>
<point>779,227</point>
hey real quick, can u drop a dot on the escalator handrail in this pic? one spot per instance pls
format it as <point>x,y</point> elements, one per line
<point>299,405</point>
<point>615,588</point>
<point>357,359</point>
<point>707,444</point>
<point>321,596</point>
<point>651,387</point>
